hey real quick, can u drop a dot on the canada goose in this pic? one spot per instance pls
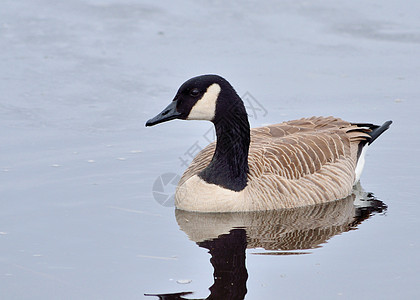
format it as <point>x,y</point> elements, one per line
<point>291,164</point>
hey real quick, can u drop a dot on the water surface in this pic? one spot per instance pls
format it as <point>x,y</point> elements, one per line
<point>80,215</point>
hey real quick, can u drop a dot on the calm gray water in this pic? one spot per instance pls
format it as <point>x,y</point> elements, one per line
<point>84,186</point>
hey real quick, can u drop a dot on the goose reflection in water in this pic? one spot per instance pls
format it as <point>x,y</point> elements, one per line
<point>280,232</point>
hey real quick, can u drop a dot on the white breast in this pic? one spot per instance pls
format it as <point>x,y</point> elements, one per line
<point>197,195</point>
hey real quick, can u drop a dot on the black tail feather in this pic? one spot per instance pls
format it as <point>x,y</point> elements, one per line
<point>375,132</point>
<point>376,129</point>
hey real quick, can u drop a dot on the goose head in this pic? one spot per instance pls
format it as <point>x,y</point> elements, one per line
<point>212,98</point>
<point>204,97</point>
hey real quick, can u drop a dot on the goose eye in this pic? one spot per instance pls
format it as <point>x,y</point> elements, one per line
<point>194,92</point>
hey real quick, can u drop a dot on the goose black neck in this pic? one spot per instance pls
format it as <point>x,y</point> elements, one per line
<point>228,260</point>
<point>229,165</point>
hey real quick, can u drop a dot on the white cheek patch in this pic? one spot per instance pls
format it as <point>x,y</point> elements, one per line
<point>205,108</point>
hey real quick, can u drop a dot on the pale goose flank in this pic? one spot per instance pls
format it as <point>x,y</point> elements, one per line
<point>291,164</point>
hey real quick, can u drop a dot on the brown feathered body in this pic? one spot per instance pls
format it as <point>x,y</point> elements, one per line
<point>291,164</point>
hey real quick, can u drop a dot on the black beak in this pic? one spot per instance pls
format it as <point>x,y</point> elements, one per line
<point>169,113</point>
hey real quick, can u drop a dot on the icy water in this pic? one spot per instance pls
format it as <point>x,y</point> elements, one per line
<point>85,188</point>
